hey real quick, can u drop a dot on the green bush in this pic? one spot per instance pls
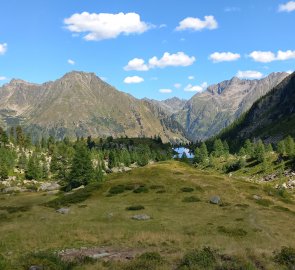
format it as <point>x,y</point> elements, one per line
<point>76,197</point>
<point>117,189</point>
<point>191,199</point>
<point>264,202</point>
<point>157,187</point>
<point>141,189</point>
<point>146,261</point>
<point>187,189</point>
<point>285,257</point>
<point>135,208</point>
<point>232,232</point>
<point>46,260</point>
<point>198,259</point>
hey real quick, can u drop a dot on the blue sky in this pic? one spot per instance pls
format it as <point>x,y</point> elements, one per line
<point>203,42</point>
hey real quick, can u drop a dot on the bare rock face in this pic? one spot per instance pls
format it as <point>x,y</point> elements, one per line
<point>81,104</point>
<point>207,113</point>
<point>271,118</point>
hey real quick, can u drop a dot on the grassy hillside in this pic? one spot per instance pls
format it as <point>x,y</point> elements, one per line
<point>176,197</point>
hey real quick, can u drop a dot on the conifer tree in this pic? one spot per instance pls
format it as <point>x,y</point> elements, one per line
<point>260,151</point>
<point>82,171</point>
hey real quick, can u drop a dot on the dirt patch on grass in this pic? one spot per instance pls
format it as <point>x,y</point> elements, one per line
<point>98,253</point>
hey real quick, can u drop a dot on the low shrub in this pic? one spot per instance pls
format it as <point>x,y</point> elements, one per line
<point>15,209</point>
<point>146,261</point>
<point>232,232</point>
<point>198,259</point>
<point>134,207</point>
<point>285,257</point>
<point>46,260</point>
<point>187,189</point>
<point>141,189</point>
<point>74,198</point>
<point>157,187</point>
<point>264,202</point>
<point>117,189</point>
<point>191,199</point>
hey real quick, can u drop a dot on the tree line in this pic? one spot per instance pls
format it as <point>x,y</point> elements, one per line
<point>77,162</point>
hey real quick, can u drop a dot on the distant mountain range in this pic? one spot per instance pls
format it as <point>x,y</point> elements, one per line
<point>271,118</point>
<point>81,104</point>
<point>207,113</point>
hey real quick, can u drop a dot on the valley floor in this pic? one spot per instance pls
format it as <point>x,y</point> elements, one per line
<point>250,222</point>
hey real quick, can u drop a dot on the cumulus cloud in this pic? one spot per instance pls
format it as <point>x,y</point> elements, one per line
<point>197,24</point>
<point>196,88</point>
<point>3,78</point>
<point>191,77</point>
<point>177,85</point>
<point>71,62</point>
<point>224,57</point>
<point>3,48</point>
<point>133,79</point>
<point>99,26</point>
<point>165,91</point>
<point>172,60</point>
<point>268,56</point>
<point>249,74</point>
<point>136,64</point>
<point>287,7</point>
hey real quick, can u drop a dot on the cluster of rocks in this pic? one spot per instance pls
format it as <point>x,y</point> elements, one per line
<point>96,253</point>
<point>288,185</point>
<point>12,184</point>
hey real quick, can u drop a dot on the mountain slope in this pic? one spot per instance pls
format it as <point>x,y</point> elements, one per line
<point>170,106</point>
<point>207,113</point>
<point>270,118</point>
<point>81,104</point>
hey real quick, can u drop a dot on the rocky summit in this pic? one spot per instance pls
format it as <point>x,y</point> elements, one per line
<point>81,104</point>
<point>207,113</point>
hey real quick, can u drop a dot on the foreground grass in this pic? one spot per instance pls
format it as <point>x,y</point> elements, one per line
<point>180,221</point>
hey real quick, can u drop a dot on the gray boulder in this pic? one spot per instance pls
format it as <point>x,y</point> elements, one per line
<point>256,197</point>
<point>63,211</point>
<point>49,186</point>
<point>215,200</point>
<point>141,217</point>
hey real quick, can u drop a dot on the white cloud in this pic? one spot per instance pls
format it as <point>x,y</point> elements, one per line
<point>3,48</point>
<point>179,59</point>
<point>197,24</point>
<point>133,79</point>
<point>288,7</point>
<point>224,57</point>
<point>3,78</point>
<point>174,60</point>
<point>177,85</point>
<point>191,77</point>
<point>285,55</point>
<point>290,71</point>
<point>268,56</point>
<point>263,57</point>
<point>165,91</point>
<point>99,26</point>
<point>196,88</point>
<point>71,62</point>
<point>249,74</point>
<point>163,25</point>
<point>136,64</point>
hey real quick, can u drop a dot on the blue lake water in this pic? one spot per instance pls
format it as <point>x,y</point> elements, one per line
<point>181,150</point>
